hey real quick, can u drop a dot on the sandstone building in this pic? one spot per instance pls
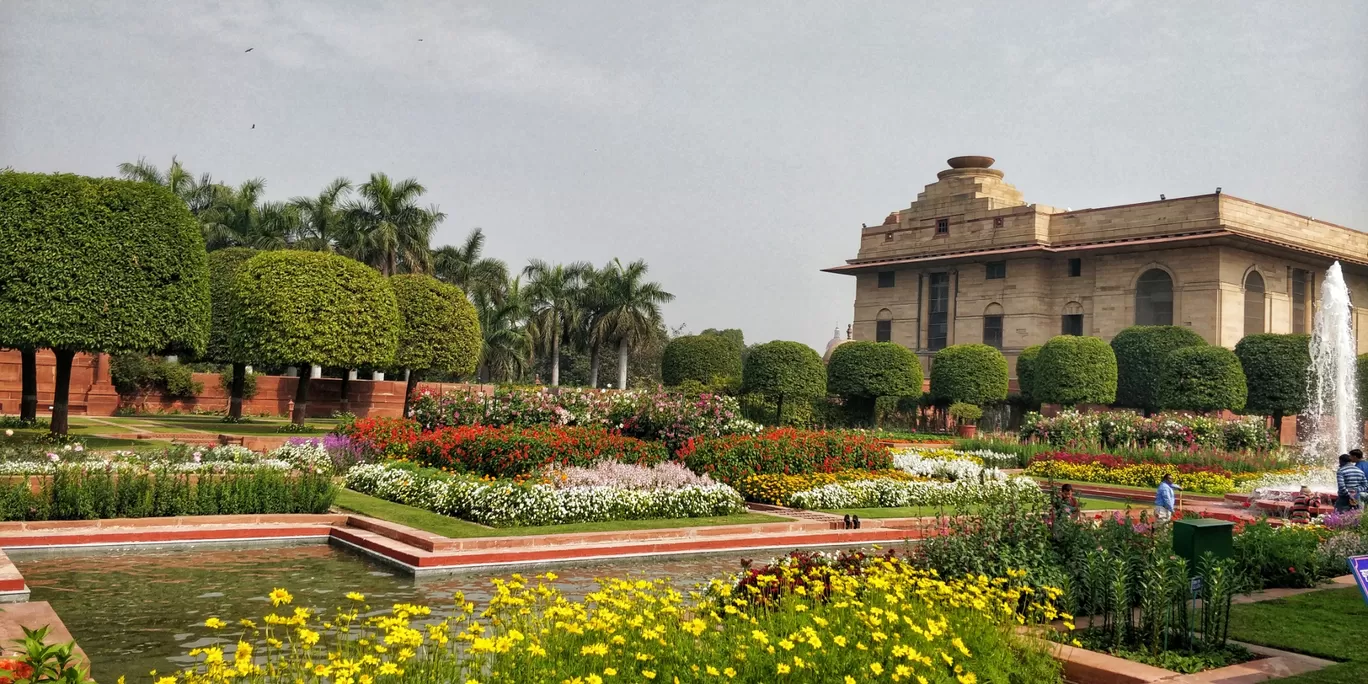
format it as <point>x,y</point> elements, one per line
<point>971,261</point>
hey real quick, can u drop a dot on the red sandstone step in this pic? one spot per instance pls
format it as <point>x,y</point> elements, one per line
<point>10,579</point>
<point>180,521</point>
<point>144,535</point>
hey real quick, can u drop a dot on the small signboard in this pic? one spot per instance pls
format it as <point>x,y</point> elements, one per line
<point>1358,565</point>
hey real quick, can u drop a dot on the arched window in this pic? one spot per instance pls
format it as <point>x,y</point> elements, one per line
<point>883,326</point>
<point>1071,322</point>
<point>992,325</point>
<point>1154,298</point>
<point>1254,303</point>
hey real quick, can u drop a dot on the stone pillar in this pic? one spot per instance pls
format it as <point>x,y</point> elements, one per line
<point>953,315</point>
<point>351,375</point>
<point>292,372</point>
<point>377,376</point>
<point>315,372</point>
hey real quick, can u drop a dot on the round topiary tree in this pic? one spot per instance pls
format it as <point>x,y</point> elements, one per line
<point>861,372</point>
<point>438,329</point>
<point>1202,379</point>
<point>1363,381</point>
<point>1140,352</point>
<point>1275,368</point>
<point>1074,370</point>
<point>969,373</point>
<point>312,308</point>
<point>1026,371</point>
<point>223,268</point>
<point>705,358</point>
<point>780,370</point>
<point>98,265</point>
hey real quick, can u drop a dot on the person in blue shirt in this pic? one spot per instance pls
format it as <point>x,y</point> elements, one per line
<point>1356,455</point>
<point>1352,484</point>
<point>1163,500</point>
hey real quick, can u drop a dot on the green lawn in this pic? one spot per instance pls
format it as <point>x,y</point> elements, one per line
<point>448,526</point>
<point>1326,624</point>
<point>210,423</point>
<point>1089,504</point>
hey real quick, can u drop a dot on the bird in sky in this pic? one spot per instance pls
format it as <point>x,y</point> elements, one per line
<point>253,126</point>
<point>249,49</point>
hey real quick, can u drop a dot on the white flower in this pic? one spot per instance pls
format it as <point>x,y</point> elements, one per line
<point>54,457</point>
<point>80,448</point>
<point>9,433</point>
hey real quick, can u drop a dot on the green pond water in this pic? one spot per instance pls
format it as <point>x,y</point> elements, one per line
<point>141,610</point>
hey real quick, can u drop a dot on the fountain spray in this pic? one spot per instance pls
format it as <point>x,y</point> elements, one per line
<point>1332,405</point>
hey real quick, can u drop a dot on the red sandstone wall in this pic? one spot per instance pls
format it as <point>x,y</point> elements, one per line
<point>91,391</point>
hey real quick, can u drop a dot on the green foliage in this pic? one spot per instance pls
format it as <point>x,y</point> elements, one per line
<point>784,369</point>
<point>1275,368</point>
<point>223,268</point>
<point>733,335</point>
<point>249,383</point>
<point>969,373</point>
<point>1140,351</point>
<point>705,358</point>
<point>438,327</point>
<point>868,370</point>
<point>314,308</point>
<point>965,412</point>
<point>1026,371</point>
<point>1075,370</point>
<point>99,265</point>
<point>1363,380</point>
<point>135,374</point>
<point>1202,379</point>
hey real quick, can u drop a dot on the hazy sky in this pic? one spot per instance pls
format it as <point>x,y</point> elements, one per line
<point>736,146</point>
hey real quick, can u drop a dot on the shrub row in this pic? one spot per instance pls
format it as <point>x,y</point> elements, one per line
<point>1121,428</point>
<point>784,451</point>
<point>1138,475</point>
<point>776,489</point>
<point>514,451</point>
<point>885,493</point>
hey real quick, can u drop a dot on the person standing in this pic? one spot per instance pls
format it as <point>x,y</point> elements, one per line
<point>1351,482</point>
<point>1356,455</point>
<point>1305,507</point>
<point>1163,500</point>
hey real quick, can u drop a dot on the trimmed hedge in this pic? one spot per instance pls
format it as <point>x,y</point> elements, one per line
<point>781,370</point>
<point>1202,379</point>
<point>1275,368</point>
<point>707,359</point>
<point>1140,352</point>
<point>511,451</point>
<point>1026,371</point>
<point>969,373</point>
<point>1075,370</point>
<point>314,308</point>
<point>870,370</point>
<point>1363,381</point>
<point>438,327</point>
<point>784,451</point>
<point>223,269</point>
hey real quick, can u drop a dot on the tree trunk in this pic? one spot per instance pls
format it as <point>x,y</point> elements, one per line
<point>593,365</point>
<point>237,390</point>
<point>344,405</point>
<point>61,393</point>
<point>409,389</point>
<point>779,413</point>
<point>555,358</point>
<point>301,399</point>
<point>623,351</point>
<point>28,401</point>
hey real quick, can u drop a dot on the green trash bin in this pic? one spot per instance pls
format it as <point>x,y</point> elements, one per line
<point>1194,538</point>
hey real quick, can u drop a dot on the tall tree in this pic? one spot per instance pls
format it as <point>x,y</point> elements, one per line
<point>438,329</point>
<point>322,219</point>
<point>238,218</point>
<point>592,305</point>
<point>631,313</point>
<point>506,346</point>
<point>465,266</point>
<point>553,294</point>
<point>387,228</point>
<point>198,194</point>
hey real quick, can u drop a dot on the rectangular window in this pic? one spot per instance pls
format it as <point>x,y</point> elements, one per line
<point>1075,268</point>
<point>942,226</point>
<point>1300,280</point>
<point>1073,324</point>
<point>938,311</point>
<point>992,331</point>
<point>997,270</point>
<point>883,331</point>
<point>886,279</point>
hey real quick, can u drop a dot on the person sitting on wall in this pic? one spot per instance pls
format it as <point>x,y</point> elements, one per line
<point>1356,455</point>
<point>1163,500</point>
<point>1351,483</point>
<point>1305,507</point>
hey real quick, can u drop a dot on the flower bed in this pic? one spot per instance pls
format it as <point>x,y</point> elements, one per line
<point>886,493</point>
<point>944,464</point>
<point>514,451</point>
<point>784,451</point>
<point>670,418</point>
<point>1108,469</point>
<point>380,439</point>
<point>776,489</point>
<point>882,620</point>
<point>1166,431</point>
<point>504,503</point>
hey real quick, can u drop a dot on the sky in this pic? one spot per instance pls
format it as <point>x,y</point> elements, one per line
<point>735,146</point>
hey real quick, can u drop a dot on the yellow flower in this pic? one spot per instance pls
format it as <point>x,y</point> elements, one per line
<point>611,672</point>
<point>782,668</point>
<point>215,623</point>
<point>713,671</point>
<point>280,597</point>
<point>729,672</point>
<point>967,678</point>
<point>649,674</point>
<point>876,668</point>
<point>357,596</point>
<point>840,640</point>
<point>849,679</point>
<point>389,669</point>
<point>308,636</point>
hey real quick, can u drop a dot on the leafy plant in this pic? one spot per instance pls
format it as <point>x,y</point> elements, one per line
<point>1206,378</point>
<point>785,450</point>
<point>703,358</point>
<point>1275,368</point>
<point>43,662</point>
<point>781,370</point>
<point>969,373</point>
<point>861,372</point>
<point>1075,370</point>
<point>965,412</point>
<point>135,375</point>
<point>1140,351</point>
<point>1026,371</point>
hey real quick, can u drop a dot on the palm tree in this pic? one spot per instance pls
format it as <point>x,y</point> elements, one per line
<point>322,218</point>
<point>465,268</point>
<point>198,195</point>
<point>631,311</point>
<point>552,293</point>
<point>507,346</point>
<point>238,218</point>
<point>388,230</point>
<point>588,335</point>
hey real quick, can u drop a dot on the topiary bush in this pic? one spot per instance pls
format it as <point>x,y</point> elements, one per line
<point>1275,368</point>
<point>782,370</point>
<point>705,358</point>
<point>223,268</point>
<point>438,329</point>
<point>1363,380</point>
<point>1026,371</point>
<point>1074,370</point>
<point>970,373</point>
<point>863,371</point>
<point>1140,352</point>
<point>1202,379</point>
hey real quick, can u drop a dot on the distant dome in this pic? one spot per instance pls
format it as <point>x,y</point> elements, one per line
<point>836,341</point>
